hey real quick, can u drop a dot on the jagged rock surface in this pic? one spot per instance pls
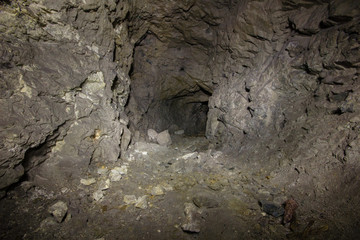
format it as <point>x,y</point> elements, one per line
<point>62,94</point>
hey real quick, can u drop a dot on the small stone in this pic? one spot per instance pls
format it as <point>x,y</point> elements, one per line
<point>68,217</point>
<point>142,202</point>
<point>179,132</point>
<point>105,185</point>
<point>98,195</point>
<point>271,208</point>
<point>193,217</point>
<point>130,199</point>
<point>157,191</point>
<point>26,185</point>
<point>123,170</point>
<point>115,174</point>
<point>59,211</point>
<point>188,156</point>
<point>290,206</point>
<point>152,134</point>
<point>103,170</point>
<point>64,190</point>
<point>88,181</point>
<point>164,138</point>
<point>167,187</point>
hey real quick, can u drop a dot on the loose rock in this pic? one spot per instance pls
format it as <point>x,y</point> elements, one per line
<point>88,181</point>
<point>157,191</point>
<point>193,217</point>
<point>130,199</point>
<point>152,134</point>
<point>179,132</point>
<point>164,138</point>
<point>59,211</point>
<point>98,195</point>
<point>116,173</point>
<point>104,185</point>
<point>271,208</point>
<point>142,202</point>
<point>290,208</point>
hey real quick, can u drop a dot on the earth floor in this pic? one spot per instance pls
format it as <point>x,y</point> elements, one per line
<point>184,191</point>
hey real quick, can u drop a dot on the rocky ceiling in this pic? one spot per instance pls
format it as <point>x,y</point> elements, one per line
<point>273,82</point>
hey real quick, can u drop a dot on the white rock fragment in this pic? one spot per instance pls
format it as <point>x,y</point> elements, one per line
<point>116,173</point>
<point>59,211</point>
<point>123,170</point>
<point>102,170</point>
<point>98,195</point>
<point>130,199</point>
<point>104,185</point>
<point>192,155</point>
<point>64,190</point>
<point>179,132</point>
<point>167,187</point>
<point>157,191</point>
<point>141,202</point>
<point>88,181</point>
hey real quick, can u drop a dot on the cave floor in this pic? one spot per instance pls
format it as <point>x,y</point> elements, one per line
<point>184,191</point>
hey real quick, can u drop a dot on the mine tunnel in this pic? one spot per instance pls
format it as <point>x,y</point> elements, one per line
<point>168,90</point>
<point>179,119</point>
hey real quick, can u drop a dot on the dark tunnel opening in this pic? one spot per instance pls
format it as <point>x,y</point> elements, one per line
<point>189,113</point>
<point>167,91</point>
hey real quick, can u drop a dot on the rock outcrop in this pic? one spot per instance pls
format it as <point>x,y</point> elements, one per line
<point>62,93</point>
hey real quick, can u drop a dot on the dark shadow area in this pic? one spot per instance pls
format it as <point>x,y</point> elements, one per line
<point>189,112</point>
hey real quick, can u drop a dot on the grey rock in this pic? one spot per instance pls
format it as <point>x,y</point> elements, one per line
<point>130,199</point>
<point>152,135</point>
<point>193,217</point>
<point>157,191</point>
<point>88,181</point>
<point>272,208</point>
<point>59,211</point>
<point>179,132</point>
<point>117,172</point>
<point>141,202</point>
<point>98,195</point>
<point>164,138</point>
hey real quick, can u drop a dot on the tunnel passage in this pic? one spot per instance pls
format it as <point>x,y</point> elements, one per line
<point>170,87</point>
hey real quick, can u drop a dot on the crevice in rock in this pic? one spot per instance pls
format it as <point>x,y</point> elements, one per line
<point>37,155</point>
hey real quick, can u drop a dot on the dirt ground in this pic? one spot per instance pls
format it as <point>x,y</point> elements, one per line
<point>184,191</point>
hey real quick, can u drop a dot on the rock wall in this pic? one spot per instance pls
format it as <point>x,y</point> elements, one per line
<point>62,92</point>
<point>281,79</point>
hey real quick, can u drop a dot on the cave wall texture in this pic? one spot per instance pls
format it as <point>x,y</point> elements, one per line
<point>280,79</point>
